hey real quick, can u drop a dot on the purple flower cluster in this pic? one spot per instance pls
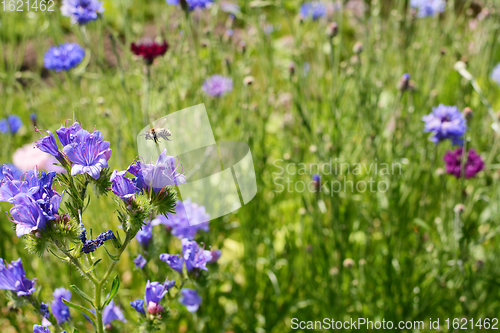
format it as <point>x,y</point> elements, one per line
<point>59,309</point>
<point>193,4</point>
<point>187,220</point>
<point>312,9</point>
<point>473,165</point>
<point>445,122</point>
<point>82,11</point>
<point>13,277</point>
<point>194,256</point>
<point>42,329</point>
<point>87,151</point>
<point>428,8</point>
<point>90,245</point>
<point>11,124</point>
<point>147,176</point>
<point>140,261</point>
<point>14,171</point>
<point>35,202</point>
<point>63,57</point>
<point>217,85</point>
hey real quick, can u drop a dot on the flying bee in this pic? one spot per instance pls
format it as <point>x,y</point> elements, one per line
<point>158,133</point>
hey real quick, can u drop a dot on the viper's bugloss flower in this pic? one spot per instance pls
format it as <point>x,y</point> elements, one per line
<point>27,215</point>
<point>122,186</point>
<point>59,309</point>
<point>194,256</point>
<point>192,4</point>
<point>144,235</point>
<point>66,135</point>
<point>473,164</point>
<point>158,175</point>
<point>48,145</point>
<point>217,85</point>
<point>63,57</point>
<point>13,277</point>
<point>112,312</point>
<point>140,261</point>
<point>154,292</point>
<point>175,261</point>
<point>41,329</point>
<point>138,305</point>
<point>90,245</point>
<point>495,74</point>
<point>11,124</point>
<point>155,308</point>
<point>190,299</point>
<point>149,50</point>
<point>215,256</point>
<point>44,310</point>
<point>88,152</point>
<point>82,11</point>
<point>180,225</point>
<point>10,169</point>
<point>445,122</point>
<point>312,9</point>
<point>428,7</point>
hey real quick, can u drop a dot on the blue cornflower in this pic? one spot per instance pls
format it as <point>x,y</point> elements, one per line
<point>13,277</point>
<point>11,124</point>
<point>187,220</point>
<point>217,85</point>
<point>138,305</point>
<point>175,261</point>
<point>112,312</point>
<point>88,152</point>
<point>144,235</point>
<point>82,11</point>
<point>190,299</point>
<point>59,309</point>
<point>63,57</point>
<point>194,256</point>
<point>193,4</point>
<point>313,9</point>
<point>445,122</point>
<point>428,7</point>
<point>122,186</point>
<point>48,145</point>
<point>495,74</point>
<point>140,261</point>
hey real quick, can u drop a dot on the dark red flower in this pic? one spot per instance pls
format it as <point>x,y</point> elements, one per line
<point>149,50</point>
<point>473,165</point>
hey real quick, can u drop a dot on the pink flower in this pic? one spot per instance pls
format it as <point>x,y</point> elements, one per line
<point>28,157</point>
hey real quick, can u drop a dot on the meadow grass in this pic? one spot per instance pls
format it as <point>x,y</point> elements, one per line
<point>404,253</point>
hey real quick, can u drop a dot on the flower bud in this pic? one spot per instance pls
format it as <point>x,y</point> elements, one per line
<point>291,68</point>
<point>357,48</point>
<point>332,29</point>
<point>248,80</point>
<point>468,113</point>
<point>155,308</point>
<point>348,263</point>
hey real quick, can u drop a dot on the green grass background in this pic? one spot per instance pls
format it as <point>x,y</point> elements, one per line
<point>283,253</point>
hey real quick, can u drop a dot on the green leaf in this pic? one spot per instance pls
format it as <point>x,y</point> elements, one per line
<point>81,309</point>
<point>421,223</point>
<point>82,294</point>
<point>93,266</point>
<point>112,257</point>
<point>112,293</point>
